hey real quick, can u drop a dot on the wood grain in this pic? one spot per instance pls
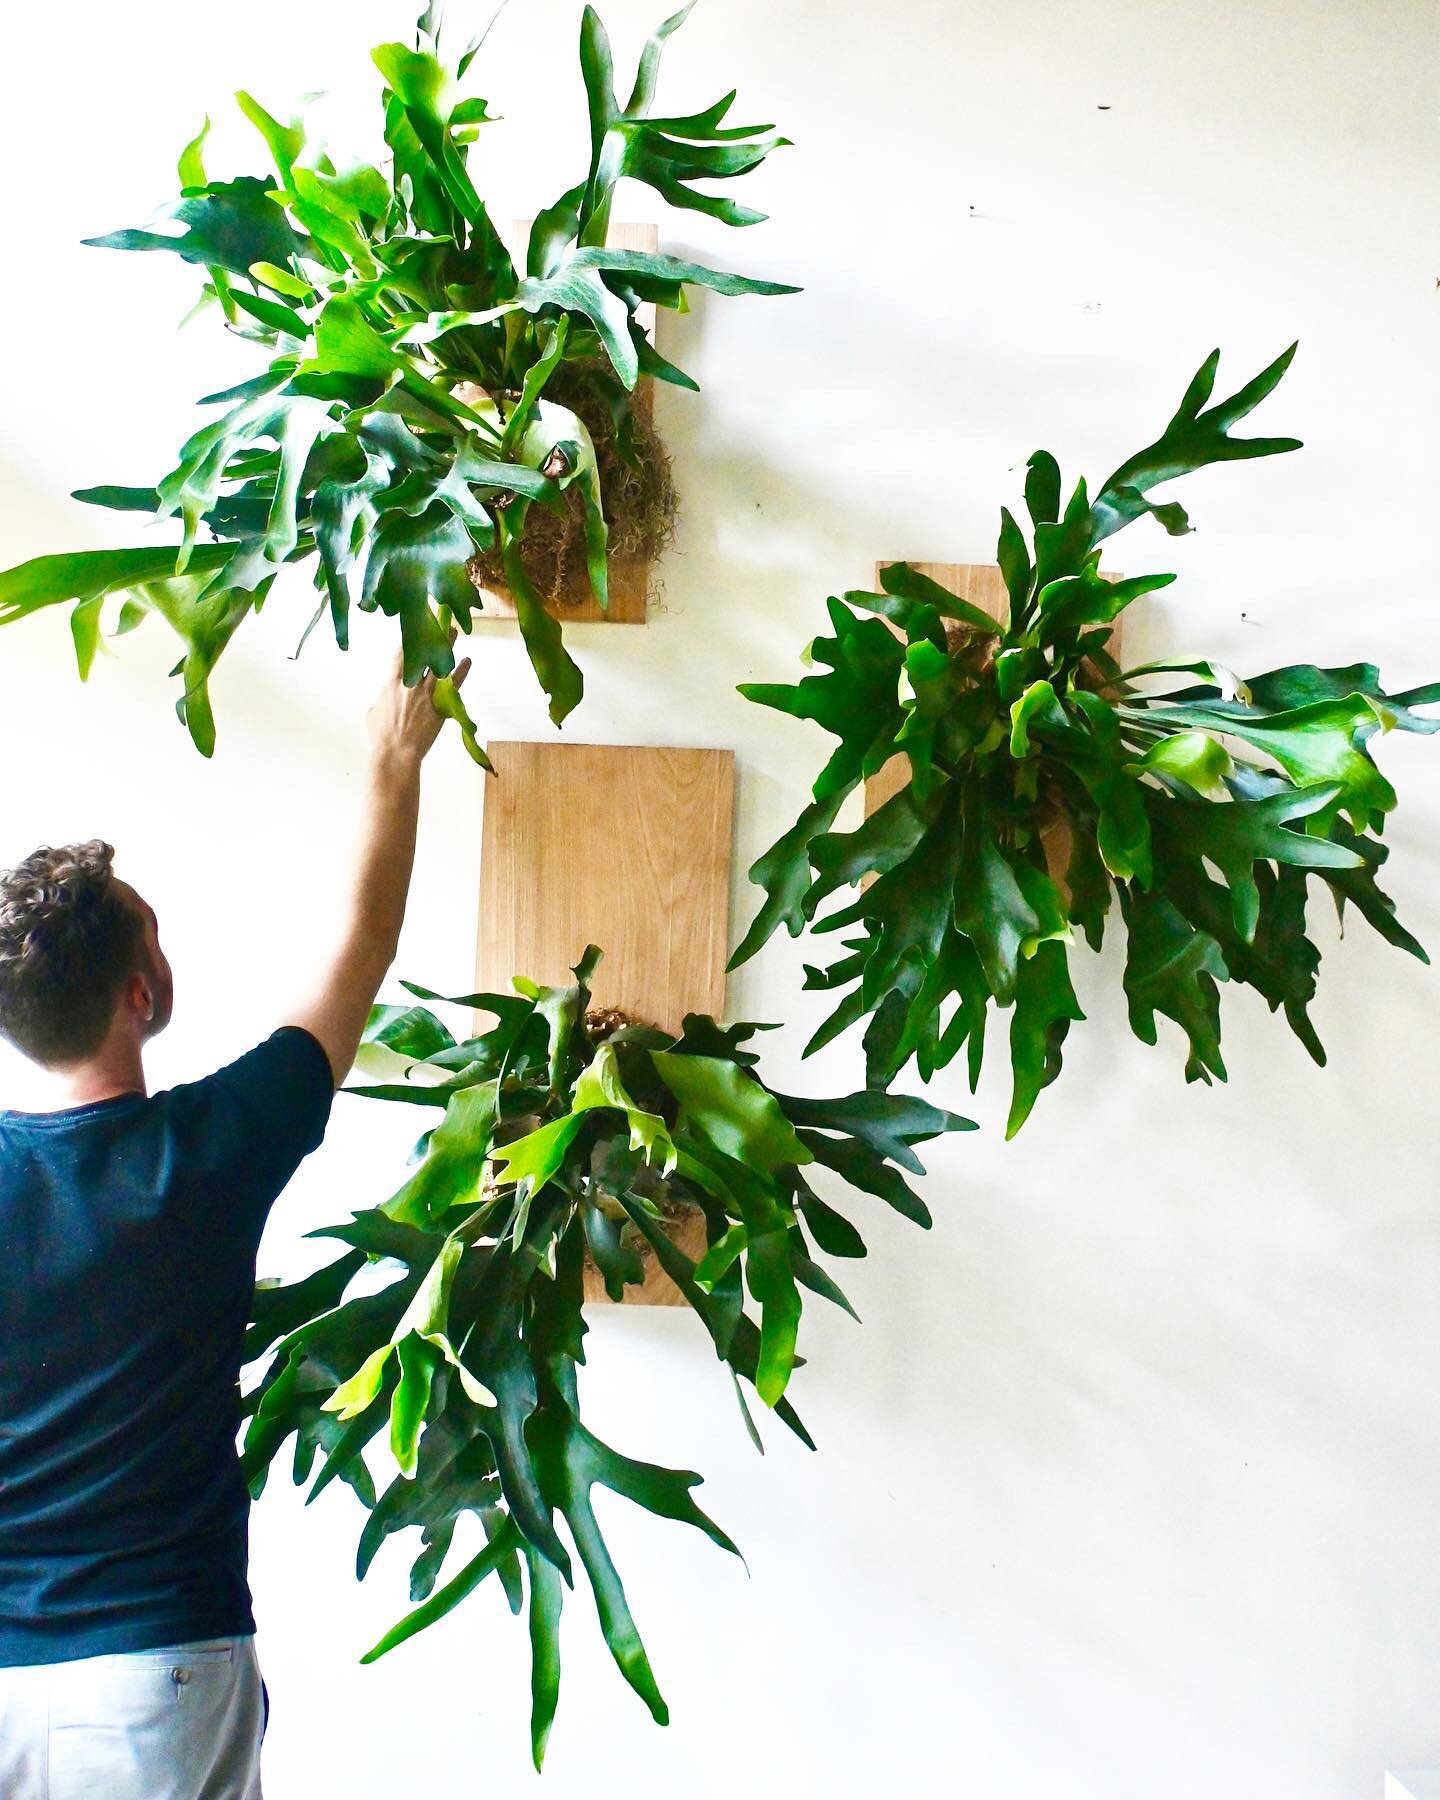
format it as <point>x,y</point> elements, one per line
<point>615,845</point>
<point>624,847</point>
<point>629,575</point>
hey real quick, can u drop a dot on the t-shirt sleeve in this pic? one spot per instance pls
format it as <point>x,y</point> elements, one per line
<point>257,1119</point>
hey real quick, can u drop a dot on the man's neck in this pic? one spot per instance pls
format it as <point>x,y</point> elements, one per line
<point>115,1069</point>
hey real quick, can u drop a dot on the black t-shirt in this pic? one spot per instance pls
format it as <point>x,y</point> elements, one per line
<point>128,1233</point>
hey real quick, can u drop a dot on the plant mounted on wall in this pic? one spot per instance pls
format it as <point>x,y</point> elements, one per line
<point>408,419</point>
<point>1205,809</point>
<point>564,1133</point>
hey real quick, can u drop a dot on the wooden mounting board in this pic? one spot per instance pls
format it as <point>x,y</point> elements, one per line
<point>623,847</point>
<point>657,1289</point>
<point>982,585</point>
<point>629,575</point>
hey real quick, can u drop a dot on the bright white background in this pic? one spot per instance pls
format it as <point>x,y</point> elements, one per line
<point>1129,1484</point>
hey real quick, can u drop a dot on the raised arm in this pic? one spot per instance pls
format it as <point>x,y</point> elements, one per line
<point>403,726</point>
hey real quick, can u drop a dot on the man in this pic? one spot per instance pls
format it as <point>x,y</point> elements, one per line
<point>129,1226</point>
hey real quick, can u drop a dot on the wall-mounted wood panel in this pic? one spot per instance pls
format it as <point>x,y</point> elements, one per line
<point>625,847</point>
<point>615,845</point>
<point>629,575</point>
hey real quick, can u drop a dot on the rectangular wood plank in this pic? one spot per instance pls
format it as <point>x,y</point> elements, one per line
<point>625,847</point>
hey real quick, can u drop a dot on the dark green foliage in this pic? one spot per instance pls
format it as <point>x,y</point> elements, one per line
<point>402,424</point>
<point>559,1137</point>
<point>1207,809</point>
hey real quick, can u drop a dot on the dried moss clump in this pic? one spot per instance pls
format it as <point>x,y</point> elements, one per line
<point>635,481</point>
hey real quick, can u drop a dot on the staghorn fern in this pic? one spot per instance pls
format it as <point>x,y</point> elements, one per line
<point>380,293</point>
<point>1205,810</point>
<point>559,1137</point>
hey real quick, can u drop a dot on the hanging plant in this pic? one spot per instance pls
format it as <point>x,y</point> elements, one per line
<point>424,396</point>
<point>564,1134</point>
<point>1206,810</point>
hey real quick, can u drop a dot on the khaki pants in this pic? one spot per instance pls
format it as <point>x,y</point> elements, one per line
<point>181,1723</point>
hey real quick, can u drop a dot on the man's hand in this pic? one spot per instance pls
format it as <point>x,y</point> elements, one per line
<point>404,725</point>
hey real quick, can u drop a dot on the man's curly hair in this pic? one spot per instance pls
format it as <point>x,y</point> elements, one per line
<point>68,943</point>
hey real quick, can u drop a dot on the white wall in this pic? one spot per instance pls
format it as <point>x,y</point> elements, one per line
<point>1128,1486</point>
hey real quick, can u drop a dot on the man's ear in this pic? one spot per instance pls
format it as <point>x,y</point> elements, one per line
<point>140,998</point>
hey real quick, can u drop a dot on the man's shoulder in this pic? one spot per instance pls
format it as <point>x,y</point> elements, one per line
<point>272,1104</point>
<point>287,1060</point>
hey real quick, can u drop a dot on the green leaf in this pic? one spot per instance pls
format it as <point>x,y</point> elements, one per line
<point>1194,438</point>
<point>600,1086</point>
<point>720,1256</point>
<point>559,676</point>
<point>408,1031</point>
<point>1302,684</point>
<point>191,167</point>
<point>352,1397</point>
<point>886,838</point>
<point>120,499</point>
<point>414,565</point>
<point>449,705</point>
<point>429,1310</point>
<point>1173,969</point>
<point>992,908</point>
<point>867,1170</point>
<point>580,290</point>
<point>1236,836</point>
<point>86,575</point>
<point>891,1124</point>
<point>1193,757</point>
<point>670,154</point>
<point>1014,560</point>
<point>573,1461</point>
<point>454,1165</point>
<point>285,142</point>
<point>907,583</point>
<point>346,343</point>
<point>784,872</point>
<point>617,1264</point>
<point>1088,598</point>
<point>503,1544</point>
<point>426,95</point>
<point>1320,744</point>
<point>204,617</point>
<point>1045,1008</point>
<point>547,1597</point>
<point>1358,888</point>
<point>661,267</point>
<point>575,283</point>
<point>771,1279</point>
<point>411,1399</point>
<point>228,225</point>
<point>1042,488</point>
<point>539,1156</point>
<point>736,1340</point>
<point>299,429</point>
<point>910,908</point>
<point>85,633</point>
<point>731,1109</point>
<point>834,1233</point>
<point>555,429</point>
